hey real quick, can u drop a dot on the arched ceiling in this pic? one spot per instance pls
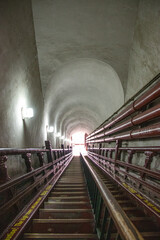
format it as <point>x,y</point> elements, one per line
<point>83,93</point>
<point>70,29</point>
<point>83,53</point>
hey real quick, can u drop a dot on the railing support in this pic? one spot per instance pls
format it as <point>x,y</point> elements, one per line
<point>49,154</point>
<point>3,170</point>
<point>41,158</point>
<point>28,162</point>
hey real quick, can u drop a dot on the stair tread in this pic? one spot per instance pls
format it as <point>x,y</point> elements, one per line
<point>150,234</point>
<point>70,192</point>
<point>140,218</point>
<point>60,235</point>
<point>67,189</point>
<point>68,197</point>
<point>62,220</point>
<point>66,210</point>
<point>80,202</point>
<point>129,208</point>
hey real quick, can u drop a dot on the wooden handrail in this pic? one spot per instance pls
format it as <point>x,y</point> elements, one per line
<point>125,227</point>
<point>147,97</point>
<point>26,176</point>
<point>140,92</point>
<point>122,146</point>
<point>14,151</point>
<point>15,193</point>
<point>31,208</point>
<point>135,120</point>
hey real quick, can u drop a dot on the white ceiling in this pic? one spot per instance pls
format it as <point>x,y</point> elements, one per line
<point>83,51</point>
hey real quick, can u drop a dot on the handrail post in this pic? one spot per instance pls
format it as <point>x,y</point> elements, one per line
<point>49,153</point>
<point>27,158</point>
<point>41,158</point>
<point>118,144</point>
<point>99,152</point>
<point>3,170</point>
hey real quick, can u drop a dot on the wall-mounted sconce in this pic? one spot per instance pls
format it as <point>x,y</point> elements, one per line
<point>27,113</point>
<point>62,137</point>
<point>50,129</point>
<point>58,134</point>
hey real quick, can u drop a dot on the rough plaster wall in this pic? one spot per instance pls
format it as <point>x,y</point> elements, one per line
<point>145,53</point>
<point>19,76</point>
<point>71,29</point>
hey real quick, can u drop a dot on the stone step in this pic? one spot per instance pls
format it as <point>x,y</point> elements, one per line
<point>67,205</point>
<point>65,214</point>
<point>62,226</point>
<point>50,236</point>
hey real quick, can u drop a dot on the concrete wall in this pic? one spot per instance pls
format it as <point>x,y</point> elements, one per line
<point>145,52</point>
<point>19,76</point>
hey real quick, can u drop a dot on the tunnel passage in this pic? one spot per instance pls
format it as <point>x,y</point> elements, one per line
<point>75,94</point>
<point>124,193</point>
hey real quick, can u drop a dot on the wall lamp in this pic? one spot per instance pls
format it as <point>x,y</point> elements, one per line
<point>62,137</point>
<point>58,134</point>
<point>27,113</point>
<point>50,129</point>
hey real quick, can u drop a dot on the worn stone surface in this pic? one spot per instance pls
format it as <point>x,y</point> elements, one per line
<point>71,29</point>
<point>145,52</point>
<point>19,76</point>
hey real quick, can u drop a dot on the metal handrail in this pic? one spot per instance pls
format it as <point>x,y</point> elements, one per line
<point>141,91</point>
<point>144,99</point>
<point>123,224</point>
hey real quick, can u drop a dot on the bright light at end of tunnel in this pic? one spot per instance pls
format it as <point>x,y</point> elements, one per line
<point>78,138</point>
<point>78,143</point>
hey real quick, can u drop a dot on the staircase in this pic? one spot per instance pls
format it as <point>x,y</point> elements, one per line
<point>67,213</point>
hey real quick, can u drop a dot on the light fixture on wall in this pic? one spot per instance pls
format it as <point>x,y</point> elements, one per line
<point>27,113</point>
<point>50,129</point>
<point>67,140</point>
<point>62,137</point>
<point>58,134</point>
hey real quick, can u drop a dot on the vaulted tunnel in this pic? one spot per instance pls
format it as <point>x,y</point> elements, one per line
<point>79,76</point>
<point>75,93</point>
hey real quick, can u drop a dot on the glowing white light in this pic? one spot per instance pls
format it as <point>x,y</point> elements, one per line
<point>77,149</point>
<point>67,140</point>
<point>62,137</point>
<point>58,134</point>
<point>78,143</point>
<point>50,129</point>
<point>27,113</point>
<point>78,138</point>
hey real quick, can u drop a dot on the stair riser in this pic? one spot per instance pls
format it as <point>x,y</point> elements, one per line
<point>68,199</point>
<point>63,215</point>
<point>68,194</point>
<point>70,190</point>
<point>70,186</point>
<point>71,181</point>
<point>63,228</point>
<point>67,206</point>
<point>73,238</point>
